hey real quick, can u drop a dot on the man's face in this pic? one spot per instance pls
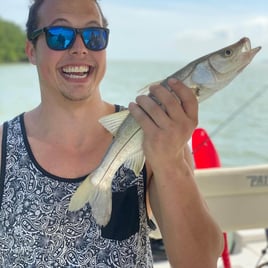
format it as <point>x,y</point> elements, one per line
<point>75,73</point>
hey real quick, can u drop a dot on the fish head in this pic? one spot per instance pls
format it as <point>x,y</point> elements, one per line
<point>218,69</point>
<point>231,60</point>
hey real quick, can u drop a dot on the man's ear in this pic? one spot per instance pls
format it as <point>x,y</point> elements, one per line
<point>30,52</point>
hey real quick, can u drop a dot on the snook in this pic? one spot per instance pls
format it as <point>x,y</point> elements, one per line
<point>204,76</point>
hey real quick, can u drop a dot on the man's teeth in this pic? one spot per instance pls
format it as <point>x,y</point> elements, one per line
<point>76,71</point>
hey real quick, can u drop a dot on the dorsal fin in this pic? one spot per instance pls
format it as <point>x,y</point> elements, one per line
<point>113,121</point>
<point>145,90</point>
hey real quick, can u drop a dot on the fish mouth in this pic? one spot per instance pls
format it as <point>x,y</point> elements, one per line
<point>246,46</point>
<point>77,71</point>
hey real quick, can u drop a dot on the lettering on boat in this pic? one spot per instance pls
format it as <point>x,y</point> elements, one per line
<point>258,180</point>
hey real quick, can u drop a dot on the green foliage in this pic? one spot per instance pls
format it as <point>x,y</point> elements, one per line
<point>12,42</point>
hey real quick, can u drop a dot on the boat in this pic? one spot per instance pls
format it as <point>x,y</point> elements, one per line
<point>237,198</point>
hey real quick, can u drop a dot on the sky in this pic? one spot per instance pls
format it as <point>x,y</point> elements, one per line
<point>172,30</point>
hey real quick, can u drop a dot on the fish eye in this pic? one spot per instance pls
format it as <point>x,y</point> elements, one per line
<point>228,52</point>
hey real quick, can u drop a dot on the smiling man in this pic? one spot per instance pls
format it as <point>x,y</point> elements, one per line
<point>47,152</point>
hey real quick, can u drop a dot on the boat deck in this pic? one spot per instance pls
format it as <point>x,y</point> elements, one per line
<point>249,245</point>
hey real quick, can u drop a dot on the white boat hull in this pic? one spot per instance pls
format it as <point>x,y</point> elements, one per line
<point>237,197</point>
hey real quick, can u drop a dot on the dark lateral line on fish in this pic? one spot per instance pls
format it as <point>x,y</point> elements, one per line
<point>111,163</point>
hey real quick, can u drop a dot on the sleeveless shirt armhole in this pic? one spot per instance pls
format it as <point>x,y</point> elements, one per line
<point>150,222</point>
<point>119,108</point>
<point>3,162</point>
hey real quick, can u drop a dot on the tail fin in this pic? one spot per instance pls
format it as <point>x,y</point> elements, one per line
<point>80,197</point>
<point>99,197</point>
<point>101,204</point>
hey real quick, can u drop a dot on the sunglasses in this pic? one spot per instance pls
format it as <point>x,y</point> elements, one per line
<point>62,37</point>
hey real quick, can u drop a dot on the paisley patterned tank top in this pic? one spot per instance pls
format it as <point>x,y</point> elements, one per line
<point>37,230</point>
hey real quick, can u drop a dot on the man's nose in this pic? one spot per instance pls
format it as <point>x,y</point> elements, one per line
<point>78,46</point>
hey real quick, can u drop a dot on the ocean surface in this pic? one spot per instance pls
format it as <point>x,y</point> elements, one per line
<point>236,118</point>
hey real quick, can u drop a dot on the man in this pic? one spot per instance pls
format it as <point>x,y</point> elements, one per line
<point>48,151</point>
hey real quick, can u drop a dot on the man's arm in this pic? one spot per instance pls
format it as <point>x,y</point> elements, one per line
<point>191,236</point>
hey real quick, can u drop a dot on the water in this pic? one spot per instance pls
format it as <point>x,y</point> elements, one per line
<point>236,118</point>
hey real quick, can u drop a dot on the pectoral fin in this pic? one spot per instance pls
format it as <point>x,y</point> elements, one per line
<point>136,162</point>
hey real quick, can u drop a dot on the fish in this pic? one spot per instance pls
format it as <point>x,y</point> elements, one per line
<point>204,76</point>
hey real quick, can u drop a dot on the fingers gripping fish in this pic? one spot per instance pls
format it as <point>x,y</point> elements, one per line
<point>204,76</point>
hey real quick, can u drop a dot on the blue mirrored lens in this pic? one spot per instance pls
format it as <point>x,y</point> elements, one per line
<point>60,38</point>
<point>95,38</point>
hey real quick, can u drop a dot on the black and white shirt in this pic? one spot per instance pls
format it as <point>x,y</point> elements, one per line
<point>37,230</point>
